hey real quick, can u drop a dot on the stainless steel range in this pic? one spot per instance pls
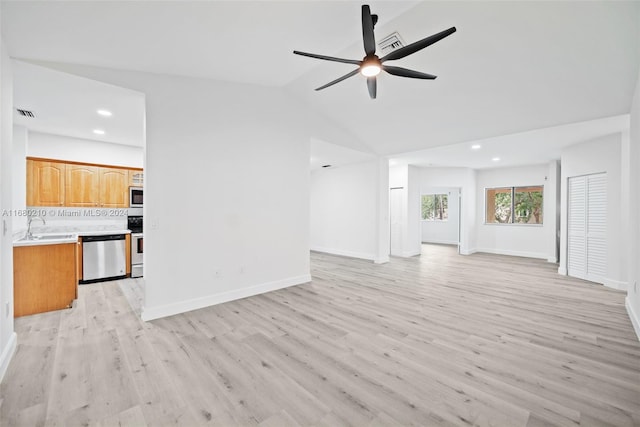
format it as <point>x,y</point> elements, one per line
<point>134,223</point>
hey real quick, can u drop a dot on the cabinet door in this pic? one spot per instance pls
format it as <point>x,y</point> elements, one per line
<point>82,186</point>
<point>114,188</point>
<point>45,183</point>
<point>136,178</point>
<point>44,278</point>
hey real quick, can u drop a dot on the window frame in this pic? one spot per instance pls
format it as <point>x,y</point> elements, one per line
<point>513,201</point>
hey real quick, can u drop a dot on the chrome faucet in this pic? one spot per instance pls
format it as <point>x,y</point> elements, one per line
<point>31,218</point>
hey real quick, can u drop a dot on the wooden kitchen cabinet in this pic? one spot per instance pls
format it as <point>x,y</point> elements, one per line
<point>82,186</point>
<point>114,191</point>
<point>44,278</point>
<point>136,178</point>
<point>45,183</point>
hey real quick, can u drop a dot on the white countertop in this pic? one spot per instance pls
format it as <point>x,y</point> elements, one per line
<point>63,235</point>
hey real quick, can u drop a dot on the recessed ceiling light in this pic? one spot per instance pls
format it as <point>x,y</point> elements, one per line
<point>392,163</point>
<point>98,131</point>
<point>105,113</point>
<point>476,146</point>
<point>495,159</point>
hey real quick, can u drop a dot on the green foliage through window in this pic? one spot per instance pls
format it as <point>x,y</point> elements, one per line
<point>435,207</point>
<point>514,205</point>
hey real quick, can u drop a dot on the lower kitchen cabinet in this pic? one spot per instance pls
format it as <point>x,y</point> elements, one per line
<point>44,278</point>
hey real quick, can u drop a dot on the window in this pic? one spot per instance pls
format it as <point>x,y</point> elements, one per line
<point>514,205</point>
<point>435,207</point>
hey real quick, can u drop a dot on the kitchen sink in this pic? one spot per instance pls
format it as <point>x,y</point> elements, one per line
<point>48,237</point>
<point>52,236</point>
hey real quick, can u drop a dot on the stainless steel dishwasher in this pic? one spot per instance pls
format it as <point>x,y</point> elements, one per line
<point>103,258</point>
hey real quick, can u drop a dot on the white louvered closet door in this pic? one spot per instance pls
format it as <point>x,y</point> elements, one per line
<point>587,227</point>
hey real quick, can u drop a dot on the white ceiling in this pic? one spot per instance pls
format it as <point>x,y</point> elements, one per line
<point>241,41</point>
<point>65,104</point>
<point>524,148</point>
<point>325,154</point>
<point>512,67</point>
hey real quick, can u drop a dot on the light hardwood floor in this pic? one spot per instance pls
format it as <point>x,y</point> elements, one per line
<point>439,339</point>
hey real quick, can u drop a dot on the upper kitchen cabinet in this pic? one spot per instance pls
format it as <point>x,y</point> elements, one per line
<point>82,186</point>
<point>136,178</point>
<point>114,190</point>
<point>45,183</point>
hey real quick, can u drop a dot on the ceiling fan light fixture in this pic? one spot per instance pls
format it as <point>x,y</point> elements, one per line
<point>371,67</point>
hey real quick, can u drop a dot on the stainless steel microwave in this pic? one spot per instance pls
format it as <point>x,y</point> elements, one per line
<point>135,197</point>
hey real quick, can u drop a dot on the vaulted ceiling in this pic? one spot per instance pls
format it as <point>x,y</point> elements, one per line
<point>511,67</point>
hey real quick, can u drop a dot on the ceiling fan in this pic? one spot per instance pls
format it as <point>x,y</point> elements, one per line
<point>371,64</point>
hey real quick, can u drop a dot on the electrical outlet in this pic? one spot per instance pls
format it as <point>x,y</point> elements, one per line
<point>6,310</point>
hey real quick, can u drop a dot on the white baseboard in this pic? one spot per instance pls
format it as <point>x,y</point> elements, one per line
<point>467,251</point>
<point>360,255</point>
<point>441,242</point>
<point>7,353</point>
<point>512,253</point>
<point>635,319</point>
<point>615,284</point>
<point>151,313</point>
<point>410,254</point>
<point>552,259</point>
<point>381,260</point>
<point>562,270</point>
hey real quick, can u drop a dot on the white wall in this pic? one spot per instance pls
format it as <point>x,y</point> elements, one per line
<point>552,210</point>
<point>596,156</point>
<point>19,175</point>
<point>226,188</point>
<point>445,232</point>
<point>343,203</point>
<point>632,157</point>
<point>383,229</point>
<point>413,242</point>
<point>84,150</point>
<point>7,335</point>
<point>405,179</point>
<point>515,239</point>
<point>465,180</point>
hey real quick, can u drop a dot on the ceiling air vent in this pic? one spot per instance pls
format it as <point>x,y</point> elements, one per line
<point>390,43</point>
<point>25,113</point>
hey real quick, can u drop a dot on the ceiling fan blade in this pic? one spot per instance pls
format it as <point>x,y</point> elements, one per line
<point>328,58</point>
<point>372,85</point>
<point>339,79</point>
<point>367,31</point>
<point>419,45</point>
<point>405,72</point>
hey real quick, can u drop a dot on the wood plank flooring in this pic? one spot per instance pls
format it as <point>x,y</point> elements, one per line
<point>439,339</point>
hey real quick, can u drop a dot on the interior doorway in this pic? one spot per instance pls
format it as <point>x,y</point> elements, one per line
<point>441,216</point>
